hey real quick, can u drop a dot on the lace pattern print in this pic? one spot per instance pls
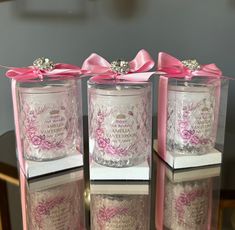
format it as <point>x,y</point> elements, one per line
<point>191,120</point>
<point>187,205</point>
<point>115,212</point>
<point>58,208</point>
<point>49,122</point>
<point>120,126</point>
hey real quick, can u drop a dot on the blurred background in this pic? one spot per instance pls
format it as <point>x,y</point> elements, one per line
<point>70,30</point>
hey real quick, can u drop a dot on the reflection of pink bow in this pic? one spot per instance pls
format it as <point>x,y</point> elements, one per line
<point>137,71</point>
<point>173,67</point>
<point>32,72</point>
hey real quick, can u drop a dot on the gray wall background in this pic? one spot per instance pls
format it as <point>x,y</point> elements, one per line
<point>202,29</point>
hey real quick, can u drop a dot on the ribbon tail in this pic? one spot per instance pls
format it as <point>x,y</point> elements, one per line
<point>136,76</point>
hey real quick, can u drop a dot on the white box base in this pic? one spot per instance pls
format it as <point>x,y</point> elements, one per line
<point>35,168</point>
<point>180,161</point>
<point>141,188</point>
<point>138,172</point>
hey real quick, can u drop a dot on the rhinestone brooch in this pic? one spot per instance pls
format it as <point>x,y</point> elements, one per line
<point>120,67</point>
<point>191,64</point>
<point>44,64</point>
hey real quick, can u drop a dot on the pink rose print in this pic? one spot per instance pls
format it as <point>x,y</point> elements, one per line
<point>102,143</point>
<point>195,140</point>
<point>99,132</point>
<point>183,124</point>
<point>47,145</point>
<point>111,150</point>
<point>100,119</point>
<point>185,134</point>
<point>36,140</point>
<point>183,199</point>
<point>105,214</point>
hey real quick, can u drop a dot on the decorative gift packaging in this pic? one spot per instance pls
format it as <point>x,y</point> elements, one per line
<point>53,202</point>
<point>48,117</point>
<point>192,102</point>
<point>187,198</point>
<point>120,206</point>
<point>120,118</point>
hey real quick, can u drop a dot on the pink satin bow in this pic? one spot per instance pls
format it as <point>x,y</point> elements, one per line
<point>32,72</point>
<point>138,67</point>
<point>172,67</point>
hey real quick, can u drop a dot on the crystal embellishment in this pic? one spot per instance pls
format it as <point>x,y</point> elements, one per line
<point>44,64</point>
<point>120,67</point>
<point>191,64</point>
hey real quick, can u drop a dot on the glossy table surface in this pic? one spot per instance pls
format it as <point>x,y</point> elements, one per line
<point>186,199</point>
<point>180,199</point>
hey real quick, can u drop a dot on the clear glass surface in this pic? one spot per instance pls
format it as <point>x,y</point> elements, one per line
<point>49,114</point>
<point>192,116</point>
<point>119,122</point>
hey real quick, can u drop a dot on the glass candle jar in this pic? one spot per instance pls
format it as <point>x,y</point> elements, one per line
<point>192,117</point>
<point>120,120</point>
<point>50,118</point>
<point>119,212</point>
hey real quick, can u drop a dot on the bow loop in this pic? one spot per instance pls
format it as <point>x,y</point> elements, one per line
<point>142,62</point>
<point>43,67</point>
<point>97,65</point>
<point>173,67</point>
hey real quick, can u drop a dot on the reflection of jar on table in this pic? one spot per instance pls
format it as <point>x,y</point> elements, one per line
<point>186,205</point>
<point>119,212</point>
<point>58,207</point>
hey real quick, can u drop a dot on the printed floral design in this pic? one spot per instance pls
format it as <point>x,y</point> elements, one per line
<point>191,120</point>
<point>31,130</point>
<point>185,130</point>
<point>44,208</point>
<point>105,214</point>
<point>185,199</point>
<point>104,143</point>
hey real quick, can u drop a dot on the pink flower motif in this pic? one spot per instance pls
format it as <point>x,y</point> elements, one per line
<point>102,143</point>
<point>99,132</point>
<point>36,140</point>
<point>100,119</point>
<point>183,200</point>
<point>111,150</point>
<point>195,140</point>
<point>185,134</point>
<point>105,214</point>
<point>47,145</point>
<point>183,124</point>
